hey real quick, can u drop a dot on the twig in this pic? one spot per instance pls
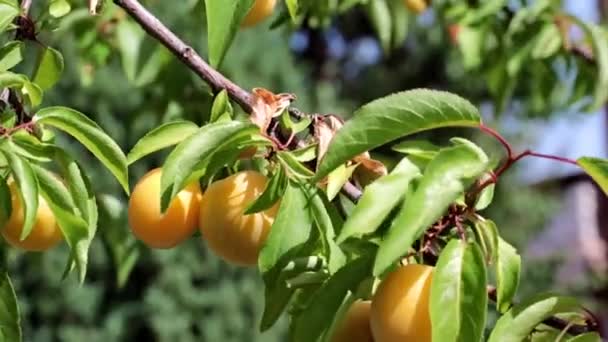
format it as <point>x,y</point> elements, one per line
<point>25,6</point>
<point>185,53</point>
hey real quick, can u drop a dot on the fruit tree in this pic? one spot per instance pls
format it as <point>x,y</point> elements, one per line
<point>350,245</point>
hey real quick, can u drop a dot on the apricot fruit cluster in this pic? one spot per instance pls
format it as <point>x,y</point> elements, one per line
<point>219,213</point>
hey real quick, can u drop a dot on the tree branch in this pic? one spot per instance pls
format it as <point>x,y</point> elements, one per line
<point>25,6</point>
<point>185,53</point>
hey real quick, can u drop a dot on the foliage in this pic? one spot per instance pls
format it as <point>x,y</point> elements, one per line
<point>323,249</point>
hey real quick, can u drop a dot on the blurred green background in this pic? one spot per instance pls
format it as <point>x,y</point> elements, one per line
<point>187,294</point>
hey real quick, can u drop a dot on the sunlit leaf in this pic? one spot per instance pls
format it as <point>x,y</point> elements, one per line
<point>508,270</point>
<point>165,135</point>
<point>517,323</point>
<point>49,68</point>
<point>91,136</point>
<point>393,117</point>
<point>445,179</point>
<point>597,169</point>
<point>378,200</point>
<point>223,20</point>
<point>272,193</point>
<point>10,55</point>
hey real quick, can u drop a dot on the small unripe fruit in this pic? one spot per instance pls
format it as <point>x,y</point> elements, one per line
<point>416,6</point>
<point>45,233</point>
<point>260,10</point>
<point>355,326</point>
<point>166,230</point>
<point>232,235</point>
<point>400,306</point>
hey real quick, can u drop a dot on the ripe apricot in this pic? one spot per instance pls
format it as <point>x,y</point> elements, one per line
<point>45,232</point>
<point>260,10</point>
<point>355,326</point>
<point>166,230</point>
<point>416,6</point>
<point>400,306</point>
<point>229,233</point>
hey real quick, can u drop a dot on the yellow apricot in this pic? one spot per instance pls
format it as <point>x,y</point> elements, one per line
<point>260,10</point>
<point>45,232</point>
<point>355,326</point>
<point>166,230</point>
<point>400,306</point>
<point>232,235</point>
<point>416,6</point>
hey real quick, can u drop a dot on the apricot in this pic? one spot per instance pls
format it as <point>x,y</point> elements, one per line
<point>355,326</point>
<point>400,306</point>
<point>167,230</point>
<point>45,233</point>
<point>416,6</point>
<point>260,10</point>
<point>232,235</point>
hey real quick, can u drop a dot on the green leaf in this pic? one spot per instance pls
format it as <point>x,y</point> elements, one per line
<point>597,169</point>
<point>276,298</point>
<point>326,301</point>
<point>223,20</point>
<point>588,337</point>
<point>20,82</point>
<point>8,11</point>
<point>292,8</point>
<point>167,134</point>
<point>520,321</point>
<point>273,192</point>
<point>458,301</point>
<point>393,117</point>
<point>293,167</point>
<point>419,148</point>
<point>33,93</point>
<point>10,318</point>
<point>400,20</point>
<point>508,270</point>
<point>221,109</point>
<point>380,15</point>
<point>5,202</point>
<point>485,197</point>
<point>28,189</point>
<point>49,68</point>
<point>31,148</point>
<point>548,41</point>
<point>74,228</point>
<point>445,179</point>
<point>337,178</point>
<point>59,8</point>
<point>130,37</point>
<point>320,206</point>
<point>486,235</point>
<point>10,55</point>
<point>291,227</point>
<point>91,136</point>
<point>80,190</point>
<point>378,200</point>
<point>471,45</point>
<point>182,161</point>
<point>599,43</point>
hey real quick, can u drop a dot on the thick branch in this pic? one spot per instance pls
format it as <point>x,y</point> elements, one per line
<point>185,53</point>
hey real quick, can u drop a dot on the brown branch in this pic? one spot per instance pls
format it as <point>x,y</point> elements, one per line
<point>185,53</point>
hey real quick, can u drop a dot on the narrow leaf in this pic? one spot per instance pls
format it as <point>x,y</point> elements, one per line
<point>380,15</point>
<point>273,192</point>
<point>182,161</point>
<point>10,318</point>
<point>445,179</point>
<point>223,20</point>
<point>597,169</point>
<point>167,134</point>
<point>28,189</point>
<point>221,109</point>
<point>320,211</point>
<point>486,235</point>
<point>520,321</point>
<point>91,136</point>
<point>378,200</point>
<point>291,227</point>
<point>393,117</point>
<point>49,68</point>
<point>508,269</point>
<point>458,301</point>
